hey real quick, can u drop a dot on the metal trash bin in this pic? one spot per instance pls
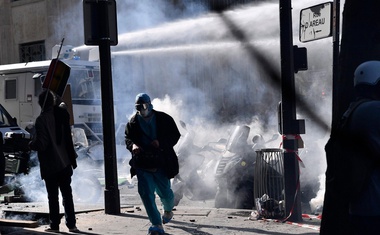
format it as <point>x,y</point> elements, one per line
<point>269,183</point>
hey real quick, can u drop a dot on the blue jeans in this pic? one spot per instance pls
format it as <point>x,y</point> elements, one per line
<point>60,181</point>
<point>149,183</point>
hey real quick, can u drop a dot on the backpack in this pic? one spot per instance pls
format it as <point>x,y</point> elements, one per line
<point>348,171</point>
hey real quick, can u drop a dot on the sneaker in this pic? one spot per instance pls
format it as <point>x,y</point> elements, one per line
<point>74,230</point>
<point>52,230</point>
<point>167,217</point>
<point>156,230</point>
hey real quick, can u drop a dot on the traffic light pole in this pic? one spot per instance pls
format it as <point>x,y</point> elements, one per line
<point>100,29</point>
<point>291,128</point>
<point>335,84</point>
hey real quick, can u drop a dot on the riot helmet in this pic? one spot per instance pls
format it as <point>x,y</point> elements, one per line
<point>367,73</point>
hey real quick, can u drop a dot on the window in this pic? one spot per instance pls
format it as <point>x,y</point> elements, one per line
<point>34,51</point>
<point>10,89</point>
<point>85,84</point>
<point>5,119</point>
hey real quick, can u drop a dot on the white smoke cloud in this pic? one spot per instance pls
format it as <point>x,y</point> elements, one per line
<point>317,202</point>
<point>193,67</point>
<point>198,63</point>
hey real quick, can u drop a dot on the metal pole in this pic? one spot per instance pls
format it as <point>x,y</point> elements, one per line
<point>111,192</point>
<point>336,40</point>
<point>290,124</point>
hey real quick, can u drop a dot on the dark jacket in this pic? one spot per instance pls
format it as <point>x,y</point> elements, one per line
<point>167,135</point>
<point>53,141</point>
<point>352,169</point>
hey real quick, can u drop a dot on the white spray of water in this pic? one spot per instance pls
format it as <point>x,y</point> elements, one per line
<point>137,15</point>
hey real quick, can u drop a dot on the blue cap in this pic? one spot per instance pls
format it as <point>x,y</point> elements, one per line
<point>142,98</point>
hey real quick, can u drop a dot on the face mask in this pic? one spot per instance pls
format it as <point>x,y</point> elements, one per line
<point>144,112</point>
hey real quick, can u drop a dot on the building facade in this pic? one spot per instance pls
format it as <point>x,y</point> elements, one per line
<point>29,29</point>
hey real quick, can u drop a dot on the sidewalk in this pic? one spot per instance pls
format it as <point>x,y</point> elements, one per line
<point>187,220</point>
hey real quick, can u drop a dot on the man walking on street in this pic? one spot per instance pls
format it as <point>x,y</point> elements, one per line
<point>150,136</point>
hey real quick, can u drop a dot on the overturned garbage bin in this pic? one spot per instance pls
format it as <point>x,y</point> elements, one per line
<point>269,183</point>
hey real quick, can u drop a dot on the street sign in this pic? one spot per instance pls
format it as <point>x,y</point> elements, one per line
<point>316,22</point>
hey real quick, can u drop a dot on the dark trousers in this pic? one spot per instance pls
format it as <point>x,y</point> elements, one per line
<point>60,181</point>
<point>364,224</point>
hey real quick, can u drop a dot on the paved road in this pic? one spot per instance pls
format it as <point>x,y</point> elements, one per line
<point>191,217</point>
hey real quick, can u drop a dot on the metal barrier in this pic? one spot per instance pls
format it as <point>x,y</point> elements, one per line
<point>269,183</point>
